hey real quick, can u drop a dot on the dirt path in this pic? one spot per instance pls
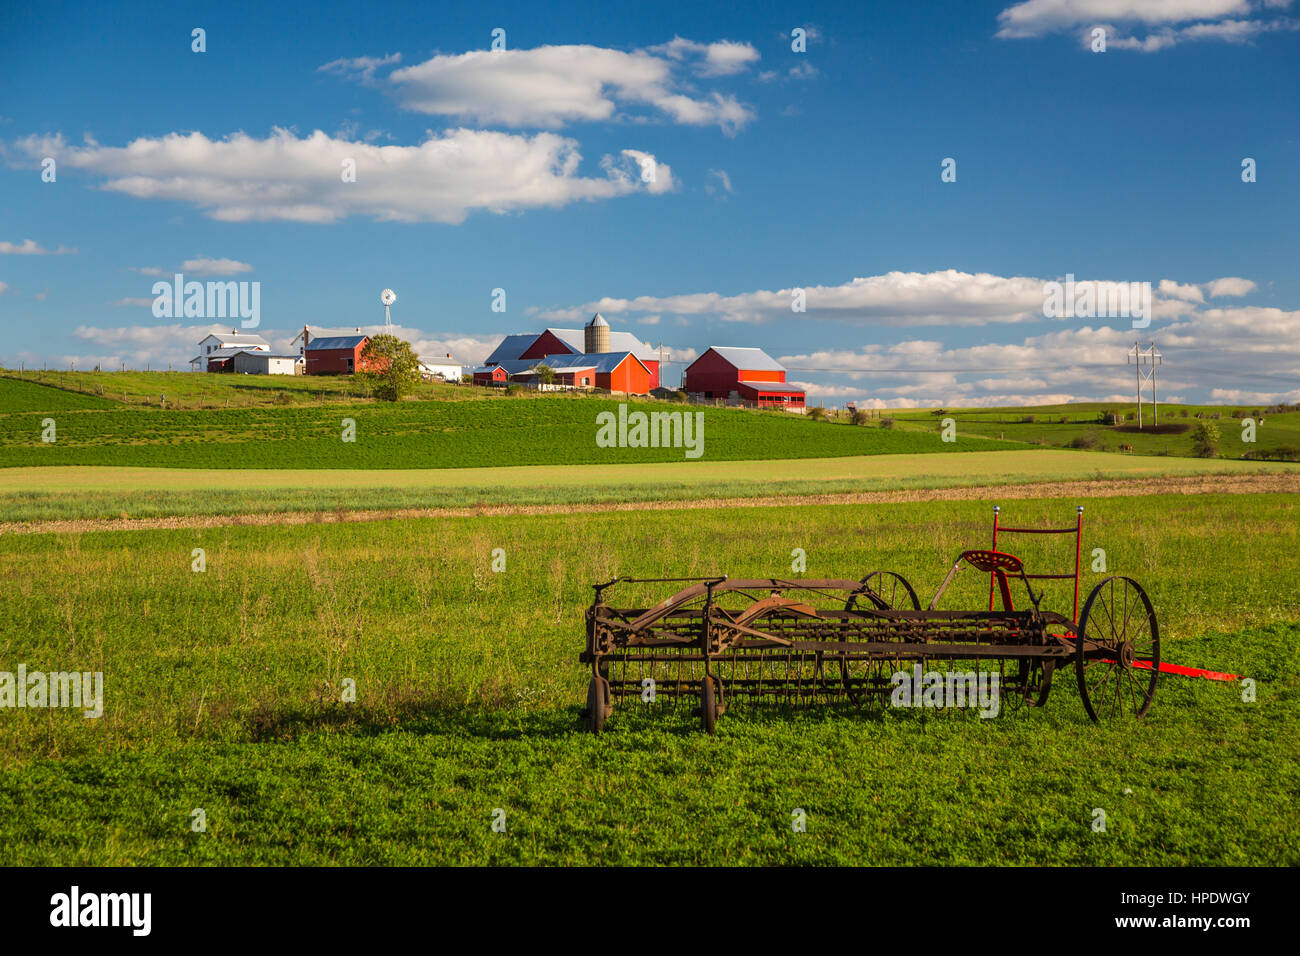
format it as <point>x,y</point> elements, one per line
<point>1110,488</point>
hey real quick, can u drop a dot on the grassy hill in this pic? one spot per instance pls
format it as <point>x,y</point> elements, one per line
<point>429,434</point>
<point>188,390</point>
<point>251,421</point>
<point>1084,426</point>
<point>25,396</point>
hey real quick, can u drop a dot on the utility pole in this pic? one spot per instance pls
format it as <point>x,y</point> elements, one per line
<point>1145,360</point>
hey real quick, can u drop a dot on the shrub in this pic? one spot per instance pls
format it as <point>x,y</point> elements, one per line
<point>389,368</point>
<point>1205,440</point>
<point>1086,440</point>
<point>860,416</point>
<point>886,423</point>
<point>1287,453</point>
<point>817,413</point>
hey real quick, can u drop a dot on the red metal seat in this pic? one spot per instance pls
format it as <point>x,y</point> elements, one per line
<point>990,561</point>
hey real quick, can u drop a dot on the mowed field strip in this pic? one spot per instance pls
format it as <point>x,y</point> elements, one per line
<point>32,497</point>
<point>972,466</point>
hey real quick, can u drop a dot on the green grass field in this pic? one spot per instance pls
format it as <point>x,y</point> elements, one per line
<point>89,492</point>
<point>1061,425</point>
<point>188,390</point>
<point>428,434</point>
<point>249,421</point>
<point>223,693</point>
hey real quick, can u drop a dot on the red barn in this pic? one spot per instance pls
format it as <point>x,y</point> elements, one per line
<point>520,351</point>
<point>491,375</point>
<point>744,374</point>
<point>335,355</point>
<point>615,371</point>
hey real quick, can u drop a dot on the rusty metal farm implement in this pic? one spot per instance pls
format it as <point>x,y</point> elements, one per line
<point>718,640</point>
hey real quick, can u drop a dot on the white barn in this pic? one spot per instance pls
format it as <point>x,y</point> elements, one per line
<point>260,362</point>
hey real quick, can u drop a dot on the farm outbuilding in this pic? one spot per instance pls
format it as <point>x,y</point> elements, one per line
<point>494,374</point>
<point>257,362</point>
<point>614,371</point>
<point>595,343</point>
<point>335,355</point>
<point>217,350</point>
<point>743,375</point>
<point>447,369</point>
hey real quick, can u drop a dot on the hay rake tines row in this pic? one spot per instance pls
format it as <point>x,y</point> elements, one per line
<point>718,640</point>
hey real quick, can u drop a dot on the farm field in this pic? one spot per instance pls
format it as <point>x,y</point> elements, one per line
<point>434,434</point>
<point>89,492</point>
<point>1080,424</point>
<point>189,390</point>
<point>223,693</point>
<point>249,421</point>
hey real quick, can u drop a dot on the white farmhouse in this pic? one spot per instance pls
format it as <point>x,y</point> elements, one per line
<point>217,350</point>
<point>447,369</point>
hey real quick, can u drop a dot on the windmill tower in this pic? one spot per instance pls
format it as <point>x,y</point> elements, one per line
<point>388,297</point>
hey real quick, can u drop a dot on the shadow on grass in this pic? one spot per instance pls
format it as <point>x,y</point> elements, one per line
<point>268,723</point>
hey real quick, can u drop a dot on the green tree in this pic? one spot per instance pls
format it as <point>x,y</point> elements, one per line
<point>389,368</point>
<point>545,374</point>
<point>1205,440</point>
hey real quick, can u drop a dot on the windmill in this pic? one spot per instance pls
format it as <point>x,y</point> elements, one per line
<point>388,297</point>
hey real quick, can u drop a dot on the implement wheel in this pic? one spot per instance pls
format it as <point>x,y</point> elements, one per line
<point>599,705</point>
<point>868,682</point>
<point>886,591</point>
<point>1117,676</point>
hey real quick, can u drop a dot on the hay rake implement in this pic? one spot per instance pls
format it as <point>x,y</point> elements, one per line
<point>719,640</point>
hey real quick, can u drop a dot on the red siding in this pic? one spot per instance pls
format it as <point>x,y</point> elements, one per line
<point>756,393</point>
<point>631,376</point>
<point>498,374</point>
<point>334,361</point>
<point>717,378</point>
<point>653,366</point>
<point>546,344</point>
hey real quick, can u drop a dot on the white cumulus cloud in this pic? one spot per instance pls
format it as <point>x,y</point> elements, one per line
<point>287,177</point>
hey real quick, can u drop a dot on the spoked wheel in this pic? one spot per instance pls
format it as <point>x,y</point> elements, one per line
<point>1027,682</point>
<point>599,706</point>
<point>710,697</point>
<point>1117,655</point>
<point>868,683</point>
<point>887,591</point>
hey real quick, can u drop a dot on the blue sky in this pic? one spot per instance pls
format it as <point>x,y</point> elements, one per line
<point>774,170</point>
